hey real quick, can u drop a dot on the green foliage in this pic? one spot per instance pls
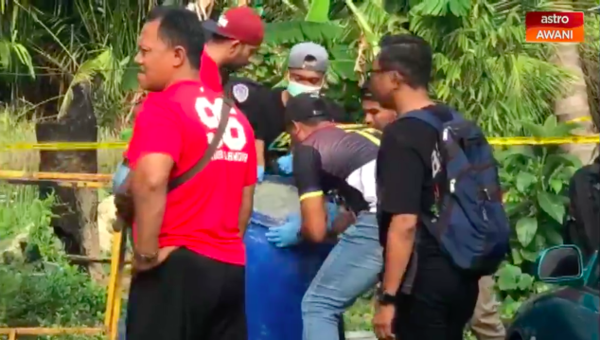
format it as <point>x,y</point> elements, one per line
<point>535,183</point>
<point>444,7</point>
<point>48,292</point>
<point>318,11</point>
<point>17,211</point>
<point>360,317</point>
<point>589,52</point>
<point>485,69</point>
<point>535,179</point>
<point>126,135</point>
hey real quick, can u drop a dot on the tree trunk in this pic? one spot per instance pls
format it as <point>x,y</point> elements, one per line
<point>574,105</point>
<point>76,208</point>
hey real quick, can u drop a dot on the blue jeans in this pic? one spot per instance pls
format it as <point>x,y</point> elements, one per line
<point>350,270</point>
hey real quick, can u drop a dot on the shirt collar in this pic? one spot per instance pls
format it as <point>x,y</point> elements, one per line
<point>209,73</point>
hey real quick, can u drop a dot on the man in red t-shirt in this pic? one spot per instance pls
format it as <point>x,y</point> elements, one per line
<point>233,39</point>
<point>188,252</point>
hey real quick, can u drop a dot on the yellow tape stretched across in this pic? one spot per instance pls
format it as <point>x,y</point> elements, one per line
<point>544,141</point>
<point>581,119</point>
<point>63,146</point>
<point>122,145</point>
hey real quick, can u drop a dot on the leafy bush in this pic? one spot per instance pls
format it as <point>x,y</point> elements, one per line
<point>48,292</point>
<point>535,180</point>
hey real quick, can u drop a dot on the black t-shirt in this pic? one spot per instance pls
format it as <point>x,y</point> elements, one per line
<point>408,169</point>
<point>333,159</point>
<point>264,109</point>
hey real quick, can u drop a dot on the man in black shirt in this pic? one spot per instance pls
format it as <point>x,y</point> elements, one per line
<point>328,158</point>
<point>486,323</point>
<point>430,298</point>
<point>264,107</point>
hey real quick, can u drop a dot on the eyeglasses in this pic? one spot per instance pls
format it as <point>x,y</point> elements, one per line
<point>375,71</point>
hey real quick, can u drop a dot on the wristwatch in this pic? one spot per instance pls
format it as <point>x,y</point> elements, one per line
<point>385,299</point>
<point>145,258</point>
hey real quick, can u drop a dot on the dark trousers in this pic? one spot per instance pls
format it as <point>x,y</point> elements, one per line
<point>440,304</point>
<point>188,297</point>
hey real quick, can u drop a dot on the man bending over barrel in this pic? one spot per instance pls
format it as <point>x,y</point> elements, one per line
<point>327,158</point>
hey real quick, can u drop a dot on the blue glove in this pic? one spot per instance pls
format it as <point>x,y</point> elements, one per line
<point>260,173</point>
<point>285,164</point>
<point>119,177</point>
<point>332,212</point>
<point>286,235</point>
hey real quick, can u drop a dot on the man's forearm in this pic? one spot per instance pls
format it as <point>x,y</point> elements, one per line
<point>244,218</point>
<point>399,247</point>
<point>260,152</point>
<point>149,205</point>
<point>246,209</point>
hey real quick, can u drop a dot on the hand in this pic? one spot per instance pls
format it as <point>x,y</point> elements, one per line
<point>163,254</point>
<point>285,164</point>
<point>119,180</point>
<point>286,235</point>
<point>260,173</point>
<point>125,209</point>
<point>332,212</point>
<point>342,221</point>
<point>382,321</point>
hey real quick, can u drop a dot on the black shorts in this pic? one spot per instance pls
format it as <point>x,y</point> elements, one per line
<point>188,297</point>
<point>441,302</point>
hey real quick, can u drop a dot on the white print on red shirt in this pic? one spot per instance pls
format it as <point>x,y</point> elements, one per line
<point>230,156</point>
<point>234,137</point>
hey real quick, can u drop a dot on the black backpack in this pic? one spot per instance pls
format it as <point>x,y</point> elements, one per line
<point>583,221</point>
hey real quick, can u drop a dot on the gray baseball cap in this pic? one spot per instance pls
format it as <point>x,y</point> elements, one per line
<point>309,56</point>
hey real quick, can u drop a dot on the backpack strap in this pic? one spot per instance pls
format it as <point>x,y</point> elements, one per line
<point>427,117</point>
<point>430,117</point>
<point>210,150</point>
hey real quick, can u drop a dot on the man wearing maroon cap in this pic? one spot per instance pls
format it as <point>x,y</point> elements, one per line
<point>235,37</point>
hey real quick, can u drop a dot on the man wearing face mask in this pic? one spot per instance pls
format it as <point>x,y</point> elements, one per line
<point>264,107</point>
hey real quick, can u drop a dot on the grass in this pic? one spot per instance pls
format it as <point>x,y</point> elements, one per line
<point>47,292</point>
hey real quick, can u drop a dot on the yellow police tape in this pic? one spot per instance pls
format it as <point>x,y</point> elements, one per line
<point>63,146</point>
<point>75,146</point>
<point>544,141</point>
<point>581,119</point>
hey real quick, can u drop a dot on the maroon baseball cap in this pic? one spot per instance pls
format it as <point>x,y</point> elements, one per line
<point>239,23</point>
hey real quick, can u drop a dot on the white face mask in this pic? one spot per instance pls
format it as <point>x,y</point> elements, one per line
<point>295,88</point>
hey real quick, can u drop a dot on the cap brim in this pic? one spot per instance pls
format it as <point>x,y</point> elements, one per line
<point>315,69</point>
<point>211,26</point>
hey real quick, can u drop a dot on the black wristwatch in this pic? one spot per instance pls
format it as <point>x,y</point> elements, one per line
<point>385,299</point>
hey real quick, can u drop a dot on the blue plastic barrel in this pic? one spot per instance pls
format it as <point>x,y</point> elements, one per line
<point>276,280</point>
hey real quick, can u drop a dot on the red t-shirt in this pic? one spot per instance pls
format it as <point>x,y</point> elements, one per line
<point>209,73</point>
<point>201,214</point>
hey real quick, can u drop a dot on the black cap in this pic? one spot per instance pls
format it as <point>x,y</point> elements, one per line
<point>365,92</point>
<point>306,106</point>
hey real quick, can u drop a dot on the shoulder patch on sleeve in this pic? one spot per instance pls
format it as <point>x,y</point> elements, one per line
<point>240,92</point>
